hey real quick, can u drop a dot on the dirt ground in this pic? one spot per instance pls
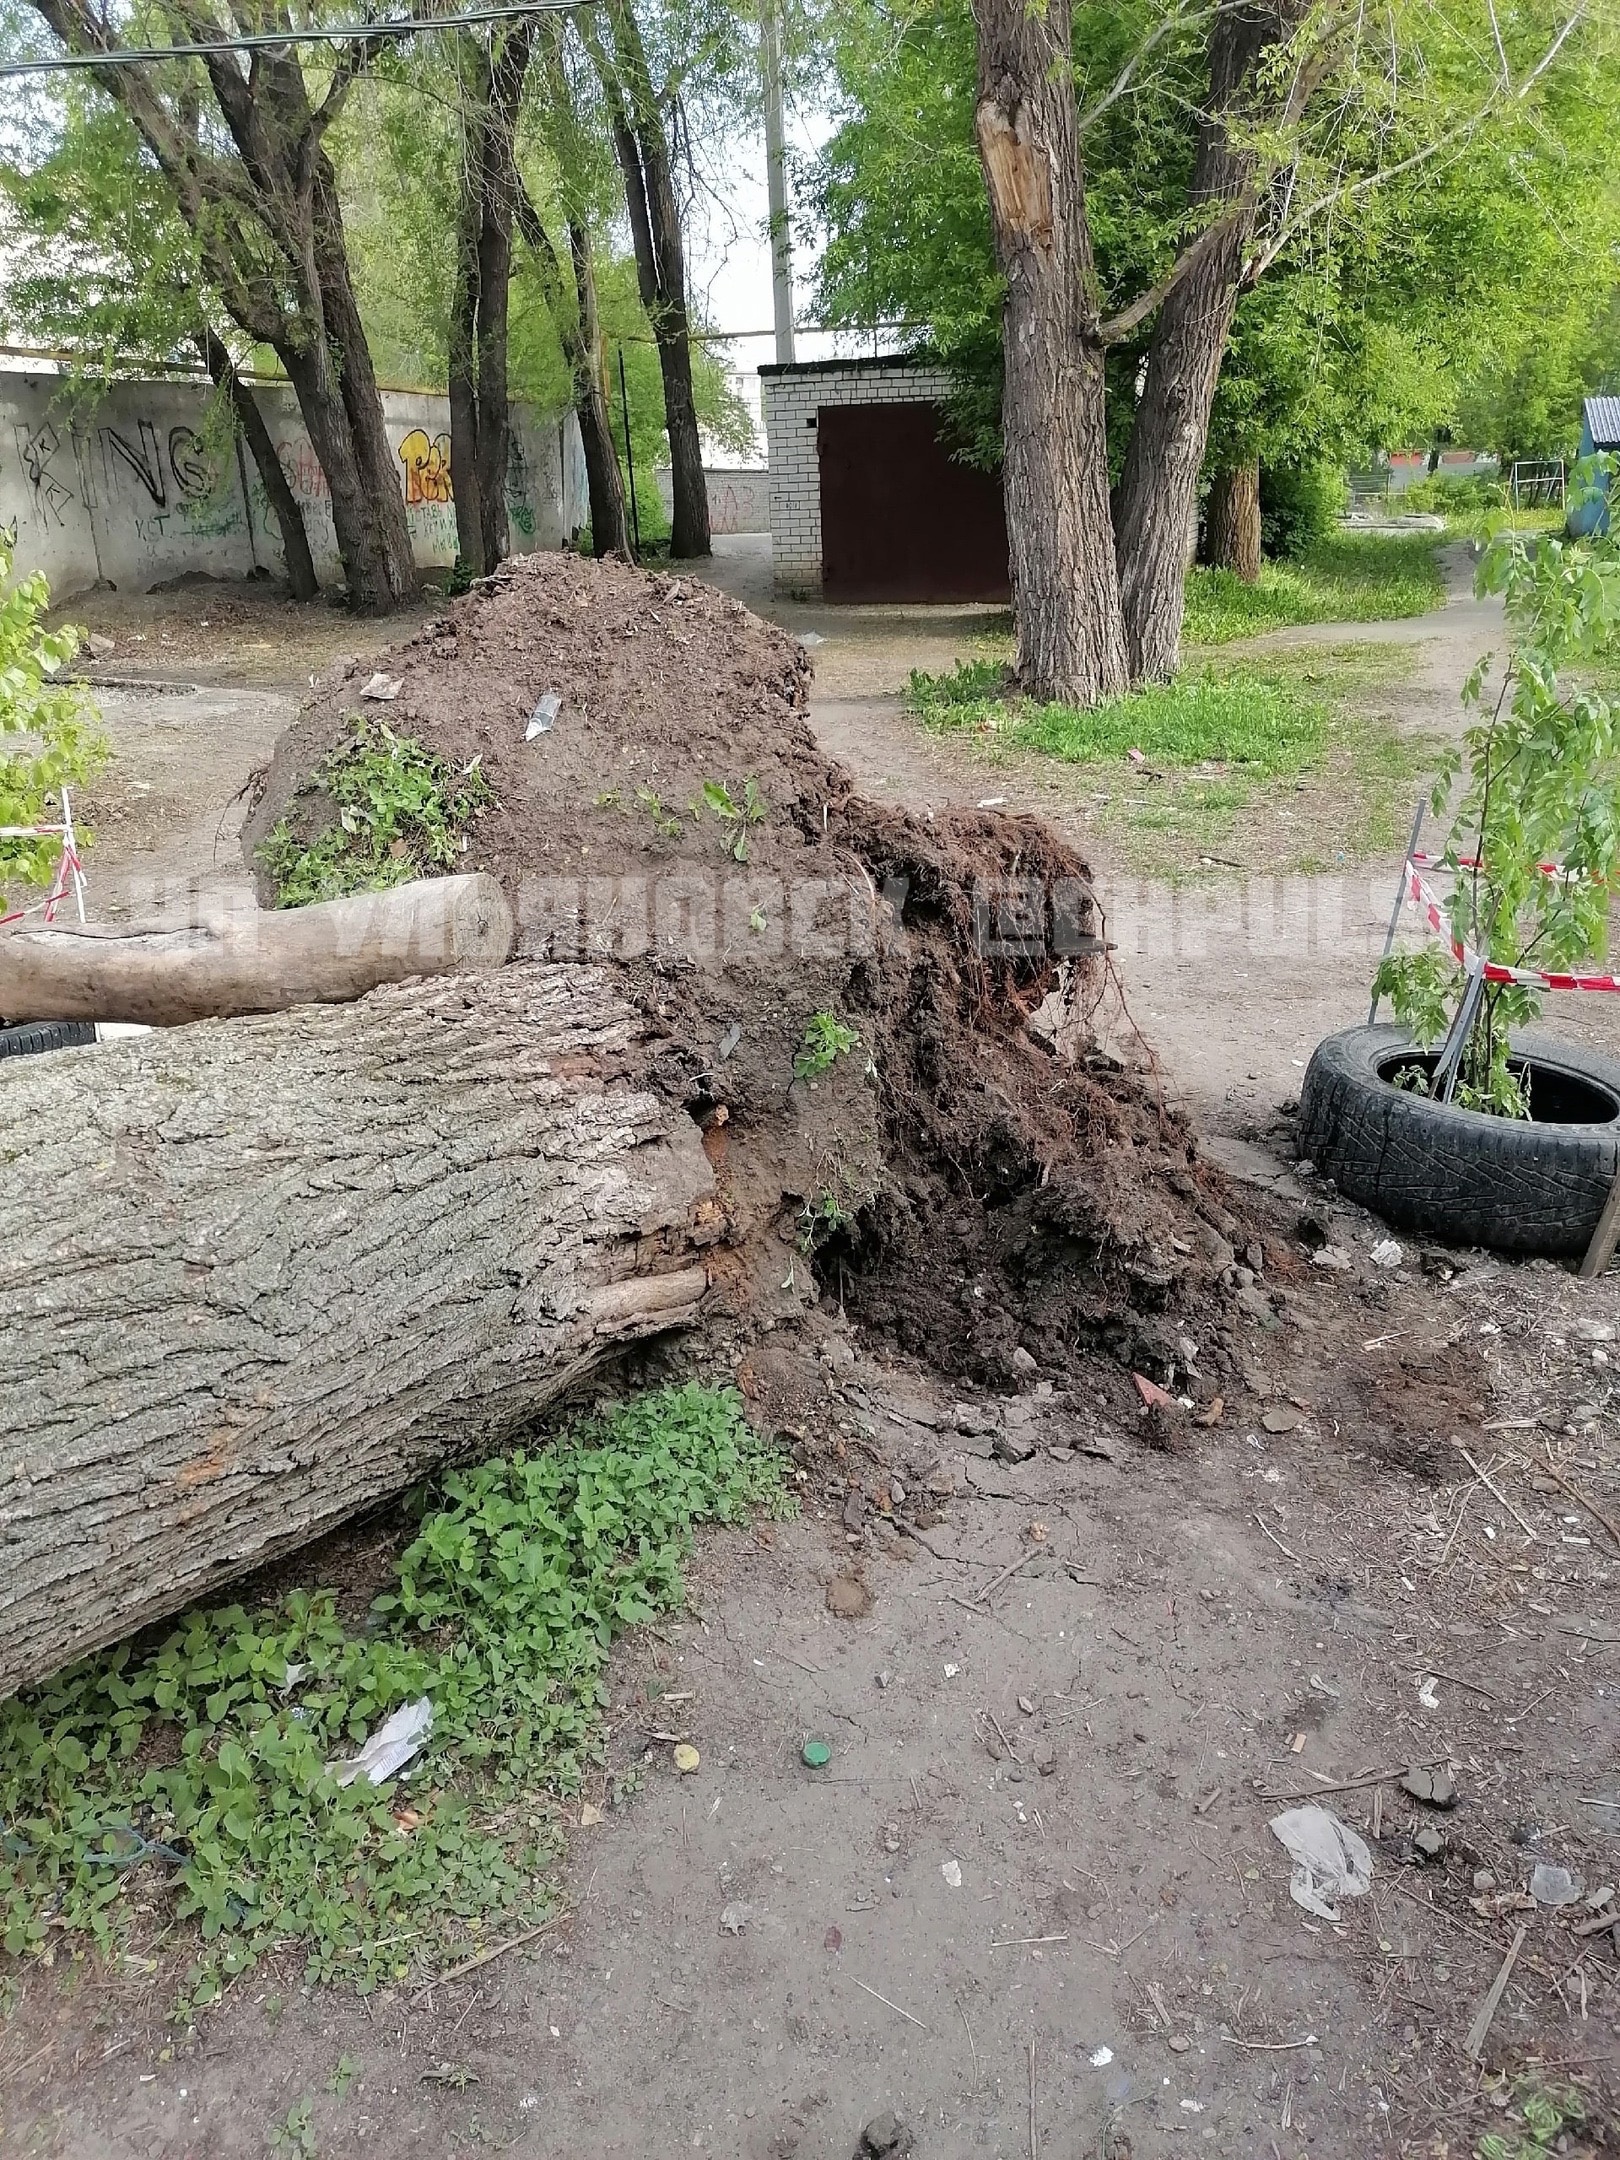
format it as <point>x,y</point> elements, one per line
<point>1032,1905</point>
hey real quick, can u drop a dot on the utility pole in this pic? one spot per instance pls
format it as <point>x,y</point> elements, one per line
<point>770,60</point>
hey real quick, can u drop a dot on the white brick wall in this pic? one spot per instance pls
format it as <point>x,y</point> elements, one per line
<point>792,397</point>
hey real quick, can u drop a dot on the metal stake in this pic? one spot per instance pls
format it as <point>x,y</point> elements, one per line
<point>1400,902</point>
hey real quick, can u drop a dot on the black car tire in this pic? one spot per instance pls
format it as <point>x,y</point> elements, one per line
<point>1530,1186</point>
<point>34,1036</point>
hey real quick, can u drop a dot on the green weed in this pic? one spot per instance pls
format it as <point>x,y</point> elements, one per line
<point>401,812</point>
<point>293,2137</point>
<point>1547,2112</point>
<point>826,1039</point>
<point>750,811</point>
<point>189,1778</point>
<point>1350,578</point>
<point>664,822</point>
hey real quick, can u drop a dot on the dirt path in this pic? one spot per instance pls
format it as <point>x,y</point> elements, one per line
<point>1054,1932</point>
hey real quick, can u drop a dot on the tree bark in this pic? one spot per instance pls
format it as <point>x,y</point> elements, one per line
<point>1232,522</point>
<point>579,332</point>
<point>295,549</point>
<point>317,1255</point>
<point>1159,486</point>
<point>462,374</point>
<point>480,407</point>
<point>610,524</point>
<point>1066,600</point>
<point>253,960</point>
<point>641,146</point>
<point>365,566</point>
<point>375,461</point>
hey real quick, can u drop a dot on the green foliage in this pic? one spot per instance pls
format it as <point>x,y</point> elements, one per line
<point>1547,2112</point>
<point>752,810</point>
<point>1300,506</point>
<point>1352,577</point>
<point>191,1777</point>
<point>401,813</point>
<point>294,2136</point>
<point>1419,270</point>
<point>826,1040</point>
<point>1539,786</point>
<point>48,736</point>
<point>820,1218</point>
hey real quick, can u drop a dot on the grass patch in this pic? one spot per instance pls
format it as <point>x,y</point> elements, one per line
<point>183,1784</point>
<point>1278,762</point>
<point>1249,716</point>
<point>401,812</point>
<point>1351,577</point>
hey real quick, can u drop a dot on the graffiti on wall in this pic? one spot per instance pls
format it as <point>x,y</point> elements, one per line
<point>51,494</point>
<point>426,459</point>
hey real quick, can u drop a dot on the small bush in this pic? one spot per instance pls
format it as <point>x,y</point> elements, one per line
<point>48,733</point>
<point>1299,506</point>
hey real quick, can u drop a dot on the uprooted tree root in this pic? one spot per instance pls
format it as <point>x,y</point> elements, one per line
<point>978,1177</point>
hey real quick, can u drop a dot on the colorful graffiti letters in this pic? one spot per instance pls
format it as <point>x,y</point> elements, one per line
<point>426,459</point>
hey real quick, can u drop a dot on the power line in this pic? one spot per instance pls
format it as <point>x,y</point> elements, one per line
<point>279,40</point>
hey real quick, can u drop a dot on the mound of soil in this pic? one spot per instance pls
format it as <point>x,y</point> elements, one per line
<point>971,1175</point>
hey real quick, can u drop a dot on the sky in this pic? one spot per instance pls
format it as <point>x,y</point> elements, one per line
<point>729,264</point>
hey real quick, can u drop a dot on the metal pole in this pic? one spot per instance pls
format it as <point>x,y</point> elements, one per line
<point>770,62</point>
<point>629,455</point>
<point>1400,902</point>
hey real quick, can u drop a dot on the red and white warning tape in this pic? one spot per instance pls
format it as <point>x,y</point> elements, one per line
<point>69,869</point>
<point>1532,978</point>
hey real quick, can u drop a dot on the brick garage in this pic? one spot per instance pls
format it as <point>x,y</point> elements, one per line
<point>903,521</point>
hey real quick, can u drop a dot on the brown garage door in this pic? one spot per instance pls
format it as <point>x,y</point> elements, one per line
<point>900,518</point>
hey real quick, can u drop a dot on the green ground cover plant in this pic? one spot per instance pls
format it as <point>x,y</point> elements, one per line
<point>182,1785</point>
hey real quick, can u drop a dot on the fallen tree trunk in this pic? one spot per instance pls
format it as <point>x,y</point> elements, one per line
<point>247,960</point>
<point>259,1275</point>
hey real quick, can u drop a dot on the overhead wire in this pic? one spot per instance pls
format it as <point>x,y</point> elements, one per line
<point>279,40</point>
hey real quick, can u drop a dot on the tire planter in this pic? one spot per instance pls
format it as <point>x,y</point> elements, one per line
<point>1535,1186</point>
<point>37,1035</point>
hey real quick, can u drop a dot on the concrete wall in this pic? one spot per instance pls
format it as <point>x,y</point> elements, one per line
<point>792,396</point>
<point>146,484</point>
<point>739,499</point>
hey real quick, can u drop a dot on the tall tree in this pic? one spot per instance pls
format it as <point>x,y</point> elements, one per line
<point>249,423</point>
<point>638,116</point>
<point>1117,227</point>
<point>577,315</point>
<point>256,188</point>
<point>492,77</point>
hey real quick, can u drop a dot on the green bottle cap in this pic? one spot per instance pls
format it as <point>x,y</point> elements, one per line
<point>817,1754</point>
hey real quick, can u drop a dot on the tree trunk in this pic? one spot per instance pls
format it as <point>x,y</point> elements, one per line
<point>610,525</point>
<point>365,568</point>
<point>375,462</point>
<point>1158,489</point>
<point>1071,637</point>
<point>254,960</point>
<point>579,332</point>
<point>278,493</point>
<point>462,384</point>
<point>641,145</point>
<point>1232,522</point>
<point>494,408</point>
<point>319,1253</point>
